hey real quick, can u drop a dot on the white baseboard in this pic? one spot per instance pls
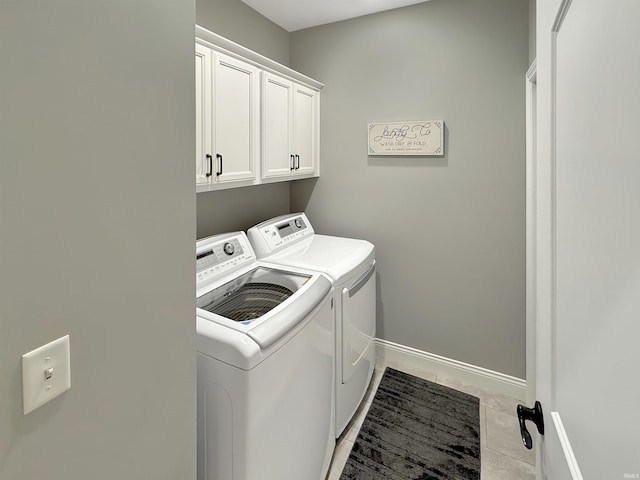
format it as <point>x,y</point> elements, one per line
<point>464,372</point>
<point>570,458</point>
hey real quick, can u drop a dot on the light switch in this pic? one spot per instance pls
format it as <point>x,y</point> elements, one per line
<point>46,373</point>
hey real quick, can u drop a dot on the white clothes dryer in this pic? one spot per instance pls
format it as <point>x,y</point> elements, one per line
<point>265,366</point>
<point>290,241</point>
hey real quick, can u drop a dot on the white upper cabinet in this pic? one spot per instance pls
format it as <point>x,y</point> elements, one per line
<point>289,129</point>
<point>227,120</point>
<point>246,134</point>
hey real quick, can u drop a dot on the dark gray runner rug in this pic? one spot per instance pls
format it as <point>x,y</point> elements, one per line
<point>417,430</point>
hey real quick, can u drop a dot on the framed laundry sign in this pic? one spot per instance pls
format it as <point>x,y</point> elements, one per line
<point>407,138</point>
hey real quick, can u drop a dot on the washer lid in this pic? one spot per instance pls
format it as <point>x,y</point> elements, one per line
<point>251,295</point>
<point>246,344</point>
<point>337,257</point>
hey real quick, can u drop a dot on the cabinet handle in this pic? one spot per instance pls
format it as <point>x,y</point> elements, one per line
<point>210,158</point>
<point>293,162</point>
<point>219,172</point>
<point>297,162</point>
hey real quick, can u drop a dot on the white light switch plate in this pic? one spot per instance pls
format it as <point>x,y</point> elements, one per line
<point>46,373</point>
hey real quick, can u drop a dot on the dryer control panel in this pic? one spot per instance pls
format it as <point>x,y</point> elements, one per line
<point>219,255</point>
<point>272,235</point>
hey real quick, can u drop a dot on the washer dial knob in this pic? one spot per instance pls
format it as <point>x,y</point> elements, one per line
<point>298,222</point>
<point>229,248</point>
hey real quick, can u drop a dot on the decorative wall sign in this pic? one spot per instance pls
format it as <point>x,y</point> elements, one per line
<point>407,138</point>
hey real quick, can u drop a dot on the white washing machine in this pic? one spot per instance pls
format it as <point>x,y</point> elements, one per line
<point>290,240</point>
<point>265,366</point>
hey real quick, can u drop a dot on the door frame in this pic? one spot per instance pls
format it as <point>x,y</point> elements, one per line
<point>531,125</point>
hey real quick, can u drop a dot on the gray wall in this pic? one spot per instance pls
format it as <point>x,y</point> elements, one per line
<point>449,231</point>
<point>97,220</point>
<point>239,209</point>
<point>240,23</point>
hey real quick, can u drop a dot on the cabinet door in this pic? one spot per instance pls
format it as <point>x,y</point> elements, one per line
<point>305,129</point>
<point>236,119</point>
<point>203,114</point>
<point>276,126</point>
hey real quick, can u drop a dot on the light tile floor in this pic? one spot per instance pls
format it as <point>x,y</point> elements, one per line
<point>502,455</point>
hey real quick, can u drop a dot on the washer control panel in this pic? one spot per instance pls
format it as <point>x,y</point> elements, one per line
<point>274,234</point>
<point>219,255</point>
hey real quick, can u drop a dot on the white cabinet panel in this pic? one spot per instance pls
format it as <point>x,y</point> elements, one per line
<point>305,130</point>
<point>203,114</point>
<point>277,109</point>
<point>236,119</point>
<point>289,129</point>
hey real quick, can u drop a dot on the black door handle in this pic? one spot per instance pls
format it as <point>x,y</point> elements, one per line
<point>297,162</point>
<point>219,172</point>
<point>533,414</point>
<point>210,158</point>
<point>293,162</point>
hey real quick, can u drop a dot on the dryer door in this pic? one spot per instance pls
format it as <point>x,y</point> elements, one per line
<point>358,323</point>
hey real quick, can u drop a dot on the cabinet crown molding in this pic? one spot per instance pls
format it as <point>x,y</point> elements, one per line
<point>224,45</point>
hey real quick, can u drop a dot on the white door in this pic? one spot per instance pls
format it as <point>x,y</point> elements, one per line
<point>204,164</point>
<point>588,238</point>
<point>305,129</point>
<point>277,98</point>
<point>236,119</point>
<point>358,325</point>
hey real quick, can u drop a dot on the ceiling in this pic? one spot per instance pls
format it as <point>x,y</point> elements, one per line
<point>297,14</point>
